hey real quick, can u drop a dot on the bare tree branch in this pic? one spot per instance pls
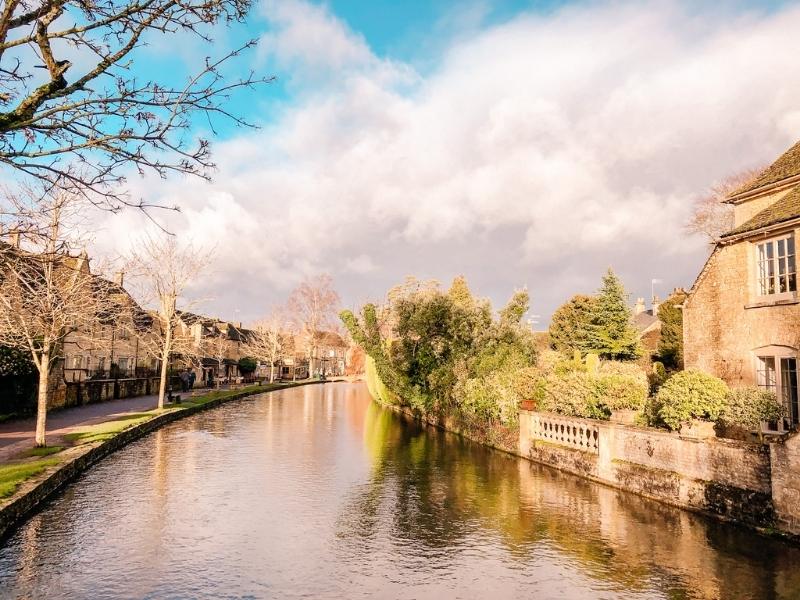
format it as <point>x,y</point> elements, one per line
<point>86,130</point>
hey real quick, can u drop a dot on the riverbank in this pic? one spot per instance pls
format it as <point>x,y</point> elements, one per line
<point>752,485</point>
<point>31,480</point>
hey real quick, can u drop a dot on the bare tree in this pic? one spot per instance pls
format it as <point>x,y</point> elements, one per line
<point>81,117</point>
<point>266,343</point>
<point>711,216</point>
<point>47,294</point>
<point>313,305</point>
<point>164,270</point>
<point>217,347</point>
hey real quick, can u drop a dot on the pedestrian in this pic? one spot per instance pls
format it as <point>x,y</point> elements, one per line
<point>192,377</point>
<point>184,381</point>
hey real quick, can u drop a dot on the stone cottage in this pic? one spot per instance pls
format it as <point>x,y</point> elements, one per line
<point>742,316</point>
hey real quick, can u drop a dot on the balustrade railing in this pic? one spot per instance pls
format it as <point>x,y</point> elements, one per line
<point>567,432</point>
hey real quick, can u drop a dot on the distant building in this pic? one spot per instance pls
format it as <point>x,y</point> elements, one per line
<point>742,316</point>
<point>648,326</point>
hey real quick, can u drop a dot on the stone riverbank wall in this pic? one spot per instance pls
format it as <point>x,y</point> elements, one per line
<point>754,484</point>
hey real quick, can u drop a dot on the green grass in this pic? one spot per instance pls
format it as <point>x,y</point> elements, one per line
<point>43,451</point>
<point>108,429</point>
<point>12,476</point>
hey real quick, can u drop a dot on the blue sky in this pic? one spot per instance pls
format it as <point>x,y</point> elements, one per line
<point>516,143</point>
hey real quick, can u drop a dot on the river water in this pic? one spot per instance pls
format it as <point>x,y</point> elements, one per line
<point>317,492</point>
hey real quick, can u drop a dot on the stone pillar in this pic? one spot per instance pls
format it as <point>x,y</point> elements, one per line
<point>525,432</point>
<point>606,451</point>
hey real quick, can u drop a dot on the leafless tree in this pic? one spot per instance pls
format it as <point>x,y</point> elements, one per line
<point>72,110</point>
<point>711,216</point>
<point>266,343</point>
<point>218,348</point>
<point>313,306</point>
<point>47,293</point>
<point>164,269</point>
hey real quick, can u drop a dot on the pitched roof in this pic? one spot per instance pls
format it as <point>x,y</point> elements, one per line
<point>643,321</point>
<point>784,209</point>
<point>788,165</point>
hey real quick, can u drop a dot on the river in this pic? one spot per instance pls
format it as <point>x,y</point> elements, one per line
<point>317,492</point>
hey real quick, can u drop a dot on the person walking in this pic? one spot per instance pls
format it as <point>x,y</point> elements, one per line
<point>185,381</point>
<point>192,377</point>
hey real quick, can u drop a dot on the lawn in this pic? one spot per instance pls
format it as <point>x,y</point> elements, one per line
<point>108,429</point>
<point>11,476</point>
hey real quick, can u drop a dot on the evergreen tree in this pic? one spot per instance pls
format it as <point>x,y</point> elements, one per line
<point>670,346</point>
<point>611,333</point>
<point>569,326</point>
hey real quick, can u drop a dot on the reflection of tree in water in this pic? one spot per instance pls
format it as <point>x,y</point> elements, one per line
<point>436,492</point>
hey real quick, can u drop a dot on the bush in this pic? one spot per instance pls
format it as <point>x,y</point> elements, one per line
<point>691,395</point>
<point>574,394</point>
<point>657,377</point>
<point>621,386</point>
<point>748,407</point>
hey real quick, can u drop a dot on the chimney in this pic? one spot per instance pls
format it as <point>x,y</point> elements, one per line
<point>656,304</point>
<point>639,308</point>
<point>119,278</point>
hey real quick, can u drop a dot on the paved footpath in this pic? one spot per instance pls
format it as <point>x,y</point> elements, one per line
<point>17,435</point>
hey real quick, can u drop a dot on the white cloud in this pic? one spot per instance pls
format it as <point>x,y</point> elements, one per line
<point>542,150</point>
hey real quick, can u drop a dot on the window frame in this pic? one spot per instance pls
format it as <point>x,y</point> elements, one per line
<point>768,262</point>
<point>776,354</point>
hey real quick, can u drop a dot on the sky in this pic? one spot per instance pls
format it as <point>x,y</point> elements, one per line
<point>516,143</point>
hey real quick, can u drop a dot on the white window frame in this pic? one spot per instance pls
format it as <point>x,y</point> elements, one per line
<point>774,384</point>
<point>767,269</point>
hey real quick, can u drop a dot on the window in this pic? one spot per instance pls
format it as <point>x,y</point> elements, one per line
<point>765,373</point>
<point>76,362</point>
<point>775,266</point>
<point>776,372</point>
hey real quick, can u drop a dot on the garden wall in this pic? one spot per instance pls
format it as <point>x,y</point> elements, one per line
<point>729,479</point>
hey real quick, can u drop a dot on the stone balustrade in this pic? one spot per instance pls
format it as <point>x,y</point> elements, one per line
<point>580,434</point>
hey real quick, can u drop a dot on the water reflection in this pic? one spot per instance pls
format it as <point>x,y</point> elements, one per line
<point>318,492</point>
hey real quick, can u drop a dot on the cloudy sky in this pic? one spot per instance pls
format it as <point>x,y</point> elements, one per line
<point>517,143</point>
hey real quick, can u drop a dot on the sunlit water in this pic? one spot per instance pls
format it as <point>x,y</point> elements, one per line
<point>317,492</point>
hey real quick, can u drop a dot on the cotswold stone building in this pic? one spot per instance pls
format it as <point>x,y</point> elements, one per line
<point>742,316</point>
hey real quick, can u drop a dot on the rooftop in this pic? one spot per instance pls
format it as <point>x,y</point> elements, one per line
<point>785,209</point>
<point>787,165</point>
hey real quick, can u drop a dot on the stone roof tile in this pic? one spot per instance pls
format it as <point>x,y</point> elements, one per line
<point>788,165</point>
<point>783,210</point>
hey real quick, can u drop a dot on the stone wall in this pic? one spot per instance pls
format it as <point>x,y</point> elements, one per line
<point>723,324</point>
<point>78,393</point>
<point>785,458</point>
<point>725,478</point>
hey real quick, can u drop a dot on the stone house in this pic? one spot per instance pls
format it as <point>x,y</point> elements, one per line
<point>742,316</point>
<point>214,348</point>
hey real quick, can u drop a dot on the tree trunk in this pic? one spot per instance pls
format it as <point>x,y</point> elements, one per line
<point>41,404</point>
<point>272,372</point>
<point>162,388</point>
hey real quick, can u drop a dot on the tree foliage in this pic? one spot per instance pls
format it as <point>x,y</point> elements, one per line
<point>445,353</point>
<point>569,326</point>
<point>670,345</point>
<point>611,333</point>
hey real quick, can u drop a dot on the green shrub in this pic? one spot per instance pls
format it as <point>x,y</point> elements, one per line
<point>748,407</point>
<point>691,395</point>
<point>574,394</point>
<point>621,385</point>
<point>657,377</point>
